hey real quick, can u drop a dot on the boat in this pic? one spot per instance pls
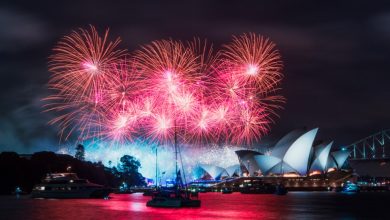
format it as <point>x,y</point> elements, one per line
<point>123,189</point>
<point>350,187</point>
<point>264,188</point>
<point>194,194</point>
<point>68,185</point>
<point>226,190</point>
<point>128,191</point>
<point>18,191</point>
<point>149,192</point>
<point>281,190</point>
<point>173,199</point>
<point>164,202</point>
<point>178,196</point>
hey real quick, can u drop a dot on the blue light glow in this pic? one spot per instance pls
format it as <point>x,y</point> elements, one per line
<point>192,156</point>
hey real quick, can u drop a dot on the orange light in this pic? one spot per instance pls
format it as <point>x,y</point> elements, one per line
<point>291,175</point>
<point>315,172</point>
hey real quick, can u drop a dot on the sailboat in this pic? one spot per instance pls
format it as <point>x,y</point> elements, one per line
<point>173,198</point>
<point>177,198</point>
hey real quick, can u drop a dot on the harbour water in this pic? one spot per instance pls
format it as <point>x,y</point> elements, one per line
<point>295,205</point>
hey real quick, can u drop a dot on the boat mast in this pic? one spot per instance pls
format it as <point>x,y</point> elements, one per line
<point>184,174</point>
<point>156,168</point>
<point>175,153</point>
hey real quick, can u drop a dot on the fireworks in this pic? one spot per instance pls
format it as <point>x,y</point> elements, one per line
<point>146,154</point>
<point>254,59</point>
<point>81,64</point>
<point>165,88</point>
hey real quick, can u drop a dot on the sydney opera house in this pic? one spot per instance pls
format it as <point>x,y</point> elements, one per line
<point>294,155</point>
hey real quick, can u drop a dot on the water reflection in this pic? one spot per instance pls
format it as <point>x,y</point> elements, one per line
<point>214,206</point>
<point>304,205</point>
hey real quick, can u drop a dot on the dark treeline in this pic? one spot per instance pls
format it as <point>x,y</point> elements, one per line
<point>25,172</point>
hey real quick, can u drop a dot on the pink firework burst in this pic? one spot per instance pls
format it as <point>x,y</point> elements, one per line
<point>172,80</point>
<point>81,62</point>
<point>165,88</point>
<point>81,66</point>
<point>120,124</point>
<point>254,59</point>
<point>123,86</point>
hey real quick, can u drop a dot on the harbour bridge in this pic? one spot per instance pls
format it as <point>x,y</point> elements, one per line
<point>373,147</point>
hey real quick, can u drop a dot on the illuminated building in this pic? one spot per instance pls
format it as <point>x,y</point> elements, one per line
<point>205,171</point>
<point>294,155</point>
<point>248,164</point>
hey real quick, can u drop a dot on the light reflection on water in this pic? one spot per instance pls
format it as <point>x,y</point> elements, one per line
<point>296,205</point>
<point>214,206</point>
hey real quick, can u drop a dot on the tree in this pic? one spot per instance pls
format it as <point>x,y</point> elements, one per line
<point>128,168</point>
<point>25,172</point>
<point>80,152</point>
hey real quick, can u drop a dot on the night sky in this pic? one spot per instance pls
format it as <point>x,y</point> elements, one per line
<point>336,57</point>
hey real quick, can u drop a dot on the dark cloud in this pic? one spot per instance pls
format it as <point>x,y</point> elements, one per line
<point>20,31</point>
<point>24,126</point>
<point>335,53</point>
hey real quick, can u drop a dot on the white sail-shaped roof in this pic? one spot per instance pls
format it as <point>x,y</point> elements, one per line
<point>281,168</point>
<point>321,156</point>
<point>283,144</point>
<point>215,172</point>
<point>198,173</point>
<point>233,170</point>
<point>265,162</point>
<point>331,162</point>
<point>318,149</point>
<point>298,154</point>
<point>340,157</point>
<point>246,159</point>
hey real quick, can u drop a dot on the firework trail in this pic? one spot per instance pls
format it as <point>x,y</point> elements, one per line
<point>174,80</point>
<point>248,74</point>
<point>81,66</point>
<point>165,88</point>
<point>254,60</point>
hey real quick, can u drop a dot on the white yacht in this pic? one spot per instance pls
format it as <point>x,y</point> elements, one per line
<point>68,185</point>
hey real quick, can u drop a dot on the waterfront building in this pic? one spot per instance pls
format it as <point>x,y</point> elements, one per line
<point>294,155</point>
